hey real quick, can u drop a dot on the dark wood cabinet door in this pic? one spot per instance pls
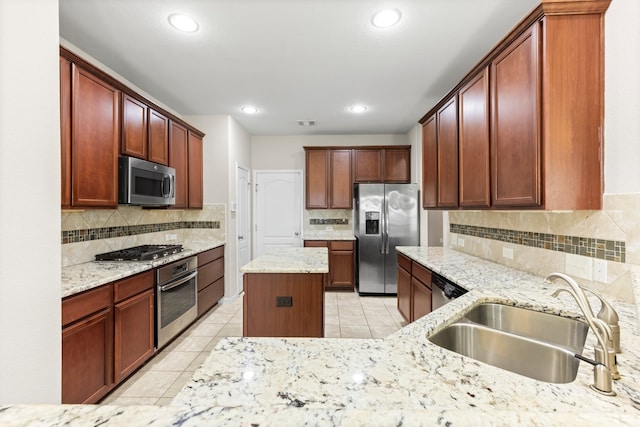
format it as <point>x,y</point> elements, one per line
<point>404,292</point>
<point>515,123</point>
<point>178,160</point>
<point>397,165</point>
<point>429,164</point>
<point>195,171</point>
<point>87,358</point>
<point>316,244</point>
<point>421,299</point>
<point>341,265</point>
<point>158,138</point>
<point>65,131</point>
<point>134,127</point>
<point>134,332</point>
<point>317,179</point>
<point>341,181</point>
<point>447,140</point>
<point>473,136</point>
<point>94,141</point>
<point>367,165</point>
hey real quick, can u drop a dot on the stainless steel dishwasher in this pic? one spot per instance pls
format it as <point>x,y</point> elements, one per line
<point>443,290</point>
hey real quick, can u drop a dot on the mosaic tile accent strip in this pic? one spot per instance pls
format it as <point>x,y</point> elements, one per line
<point>610,250</point>
<point>326,221</point>
<point>74,236</point>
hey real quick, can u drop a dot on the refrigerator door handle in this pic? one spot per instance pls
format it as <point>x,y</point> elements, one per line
<point>386,226</point>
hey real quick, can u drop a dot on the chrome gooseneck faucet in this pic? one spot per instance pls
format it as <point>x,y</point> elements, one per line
<point>605,369</point>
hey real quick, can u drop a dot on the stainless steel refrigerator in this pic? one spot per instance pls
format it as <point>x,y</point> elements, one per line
<point>386,216</point>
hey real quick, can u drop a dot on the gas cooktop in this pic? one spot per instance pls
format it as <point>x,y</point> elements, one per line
<point>140,253</point>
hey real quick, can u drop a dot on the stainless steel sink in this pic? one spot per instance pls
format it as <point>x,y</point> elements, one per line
<point>538,345</point>
<point>524,356</point>
<point>545,327</point>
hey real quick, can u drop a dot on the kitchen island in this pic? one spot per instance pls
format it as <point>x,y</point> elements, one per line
<point>402,379</point>
<point>284,293</point>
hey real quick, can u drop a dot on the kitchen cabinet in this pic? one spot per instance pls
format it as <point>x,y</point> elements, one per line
<point>134,127</point>
<point>65,131</point>
<point>414,289</point>
<point>210,278</point>
<point>328,178</point>
<point>178,159</point>
<point>194,146</point>
<point>341,263</point>
<point>429,163</point>
<point>473,139</point>
<point>382,164</point>
<point>90,152</point>
<point>546,104</point>
<point>87,346</point>
<point>133,323</point>
<point>447,146</point>
<point>158,137</point>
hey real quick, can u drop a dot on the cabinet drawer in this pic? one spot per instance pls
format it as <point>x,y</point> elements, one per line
<point>210,295</point>
<point>131,286</point>
<point>404,262</point>
<point>341,245</point>
<point>421,273</point>
<point>78,306</point>
<point>208,256</point>
<point>316,244</point>
<point>209,273</point>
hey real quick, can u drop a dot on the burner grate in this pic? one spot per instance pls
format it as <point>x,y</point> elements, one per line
<point>140,253</point>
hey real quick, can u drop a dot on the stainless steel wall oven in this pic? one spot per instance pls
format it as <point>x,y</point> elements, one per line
<point>176,298</point>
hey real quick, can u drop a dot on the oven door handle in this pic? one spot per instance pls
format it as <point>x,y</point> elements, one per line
<point>179,282</point>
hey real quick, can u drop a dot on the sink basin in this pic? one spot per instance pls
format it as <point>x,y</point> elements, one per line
<point>538,345</point>
<point>545,327</point>
<point>524,356</point>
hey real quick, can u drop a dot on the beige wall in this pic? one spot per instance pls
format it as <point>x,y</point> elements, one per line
<point>30,344</point>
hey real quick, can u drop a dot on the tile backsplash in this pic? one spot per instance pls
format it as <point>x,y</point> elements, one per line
<point>541,242</point>
<point>87,233</point>
<point>316,220</point>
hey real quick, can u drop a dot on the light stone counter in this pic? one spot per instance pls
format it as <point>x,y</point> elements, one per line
<point>329,235</point>
<point>403,379</point>
<point>290,260</point>
<point>82,277</point>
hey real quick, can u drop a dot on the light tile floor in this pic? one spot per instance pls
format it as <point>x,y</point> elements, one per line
<point>347,315</point>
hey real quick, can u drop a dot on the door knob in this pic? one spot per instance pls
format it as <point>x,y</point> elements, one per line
<point>240,237</point>
<point>297,233</point>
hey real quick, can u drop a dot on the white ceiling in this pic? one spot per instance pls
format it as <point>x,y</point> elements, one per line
<point>294,59</point>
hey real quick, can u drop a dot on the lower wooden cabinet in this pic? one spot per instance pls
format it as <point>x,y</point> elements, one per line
<point>414,289</point>
<point>87,346</point>
<point>341,263</point>
<point>210,278</point>
<point>133,323</point>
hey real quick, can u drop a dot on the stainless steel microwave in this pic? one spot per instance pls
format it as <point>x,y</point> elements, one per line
<point>145,183</point>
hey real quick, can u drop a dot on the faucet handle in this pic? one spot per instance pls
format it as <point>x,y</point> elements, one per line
<point>609,315</point>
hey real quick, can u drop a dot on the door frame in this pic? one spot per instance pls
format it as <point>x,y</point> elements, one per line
<point>249,223</point>
<point>254,202</point>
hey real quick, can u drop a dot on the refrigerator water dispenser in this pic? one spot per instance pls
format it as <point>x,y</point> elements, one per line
<point>372,222</point>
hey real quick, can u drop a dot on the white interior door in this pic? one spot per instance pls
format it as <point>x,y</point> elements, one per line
<point>243,222</point>
<point>277,209</point>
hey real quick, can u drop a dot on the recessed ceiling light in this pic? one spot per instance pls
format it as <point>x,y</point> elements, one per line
<point>183,23</point>
<point>358,108</point>
<point>306,122</point>
<point>249,109</point>
<point>386,18</point>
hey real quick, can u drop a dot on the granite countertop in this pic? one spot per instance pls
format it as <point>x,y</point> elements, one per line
<point>290,260</point>
<point>402,379</point>
<point>328,235</point>
<point>82,277</point>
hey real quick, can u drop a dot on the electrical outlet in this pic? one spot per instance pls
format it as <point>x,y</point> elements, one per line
<point>329,228</point>
<point>461,242</point>
<point>454,239</point>
<point>581,266</point>
<point>600,270</point>
<point>284,301</point>
<point>507,252</point>
<point>171,237</point>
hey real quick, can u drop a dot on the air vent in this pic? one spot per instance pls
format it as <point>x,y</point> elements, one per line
<point>306,122</point>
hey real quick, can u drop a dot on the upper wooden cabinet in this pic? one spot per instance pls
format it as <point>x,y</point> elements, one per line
<point>65,131</point>
<point>429,163</point>
<point>145,132</point>
<point>447,142</point>
<point>382,164</point>
<point>546,109</point>
<point>473,139</point>
<point>178,159</point>
<point>194,145</point>
<point>158,125</point>
<point>95,128</point>
<point>328,183</point>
